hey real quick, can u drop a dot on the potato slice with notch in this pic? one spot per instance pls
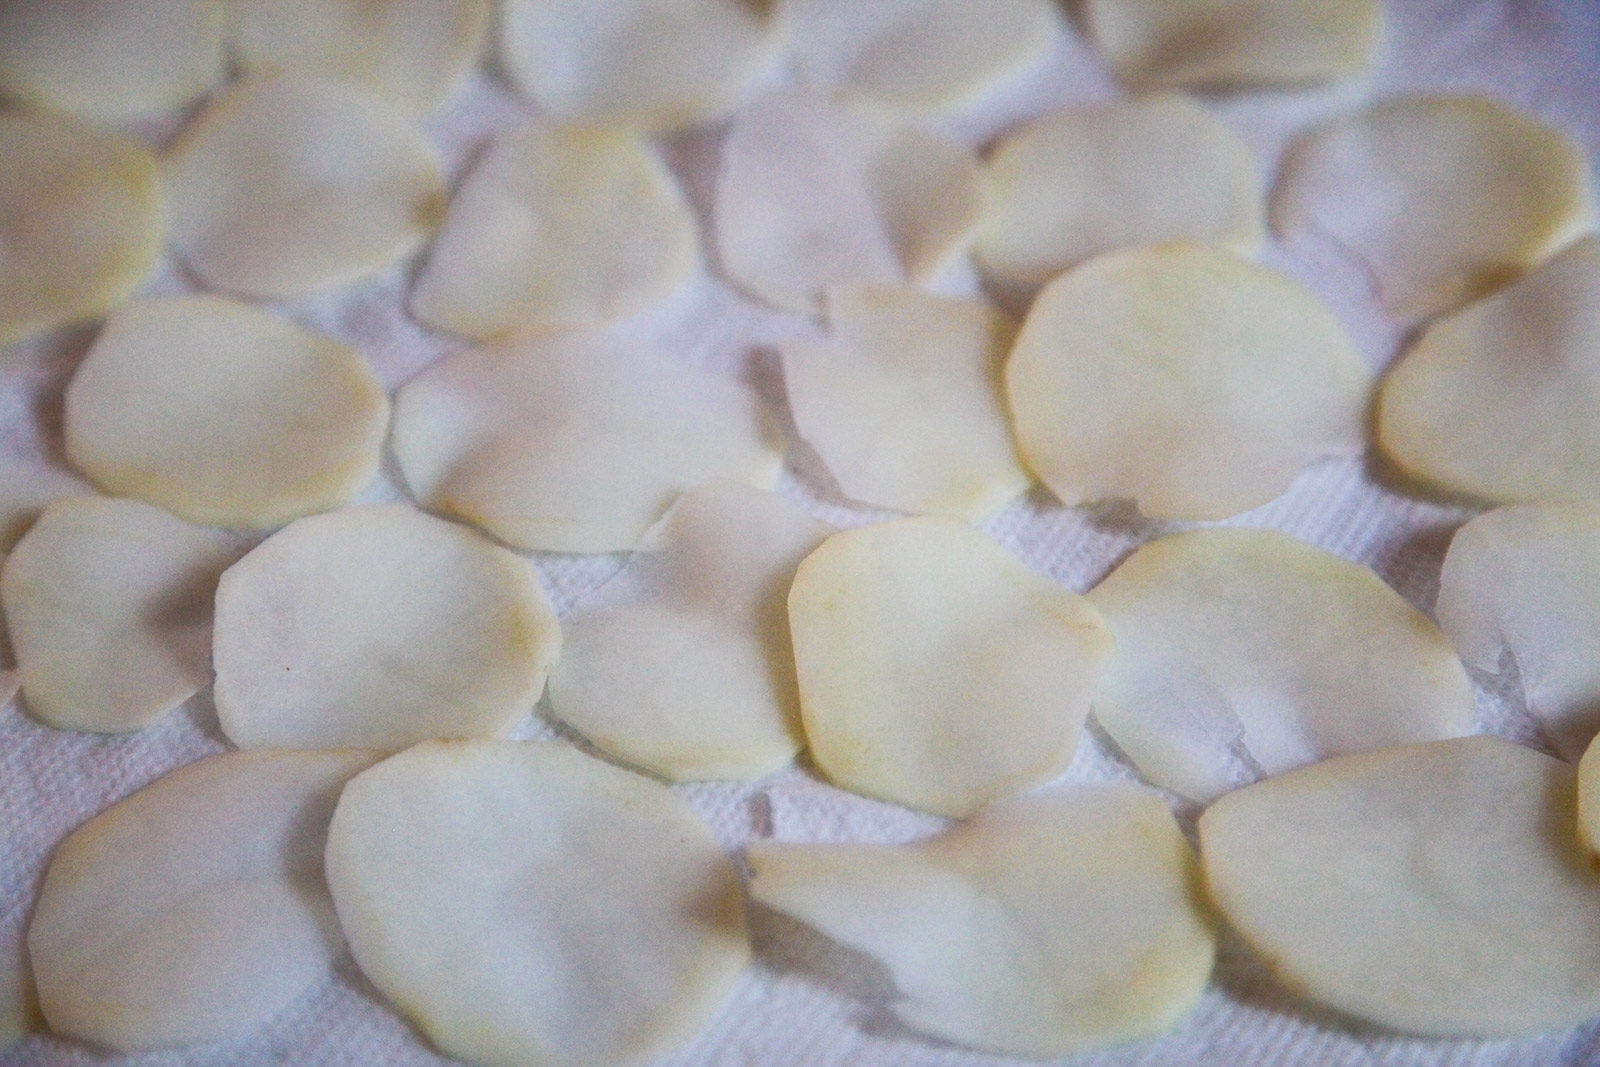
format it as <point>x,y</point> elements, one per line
<point>26,487</point>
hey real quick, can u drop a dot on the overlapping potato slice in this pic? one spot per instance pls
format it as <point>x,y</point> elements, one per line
<point>195,909</point>
<point>574,442</point>
<point>1192,382</point>
<point>524,903</point>
<point>1438,889</point>
<point>25,488</point>
<point>80,221</point>
<point>377,627</point>
<point>558,226</point>
<point>108,603</point>
<point>1247,653</point>
<point>1440,198</point>
<point>935,670</point>
<point>223,414</point>
<point>287,185</point>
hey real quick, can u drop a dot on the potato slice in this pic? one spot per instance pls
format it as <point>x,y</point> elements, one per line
<point>1589,803</point>
<point>1042,927</point>
<point>25,488</point>
<point>223,414</point>
<point>80,221</point>
<point>1438,889</point>
<point>377,627</point>
<point>935,670</point>
<point>905,405</point>
<point>1496,399</point>
<point>1440,198</point>
<point>108,603</point>
<point>574,442</point>
<point>194,910</point>
<point>1247,653</point>
<point>1194,383</point>
<point>558,226</point>
<point>288,185</point>
<point>523,903</point>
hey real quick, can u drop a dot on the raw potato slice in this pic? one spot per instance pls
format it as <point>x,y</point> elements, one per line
<point>25,488</point>
<point>1246,653</point>
<point>905,405</point>
<point>223,414</point>
<point>1589,803</point>
<point>1497,400</point>
<point>377,627</point>
<point>194,910</point>
<point>935,670</point>
<point>1440,198</point>
<point>574,442</point>
<point>1190,381</point>
<point>558,226</point>
<point>1044,926</point>
<point>1437,889</point>
<point>80,221</point>
<point>289,185</point>
<point>108,603</point>
<point>526,904</point>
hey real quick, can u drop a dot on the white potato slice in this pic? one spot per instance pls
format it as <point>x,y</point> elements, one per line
<point>108,603</point>
<point>1190,381</point>
<point>905,404</point>
<point>377,627</point>
<point>574,442</point>
<point>525,904</point>
<point>558,226</point>
<point>80,221</point>
<point>223,414</point>
<point>1438,889</point>
<point>935,670</point>
<point>25,488</point>
<point>1440,198</point>
<point>288,185</point>
<point>194,910</point>
<point>1247,653</point>
<point>1497,399</point>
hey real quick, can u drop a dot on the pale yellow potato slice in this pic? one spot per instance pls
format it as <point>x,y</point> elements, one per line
<point>223,414</point>
<point>287,185</point>
<point>377,627</point>
<point>905,405</point>
<point>525,904</point>
<point>194,910</point>
<point>1589,802</point>
<point>1438,889</point>
<point>80,221</point>
<point>1192,382</point>
<point>1495,400</point>
<point>1246,653</point>
<point>558,226</point>
<point>1440,198</point>
<point>108,604</point>
<point>26,486</point>
<point>935,670</point>
<point>574,442</point>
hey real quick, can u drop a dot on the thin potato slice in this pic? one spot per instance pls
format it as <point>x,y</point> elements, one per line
<point>1189,381</point>
<point>25,489</point>
<point>935,670</point>
<point>223,414</point>
<point>377,627</point>
<point>525,904</point>
<point>1438,889</point>
<point>194,910</point>
<point>1246,653</point>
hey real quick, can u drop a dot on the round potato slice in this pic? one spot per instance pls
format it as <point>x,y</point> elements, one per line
<point>223,414</point>
<point>1190,381</point>
<point>194,910</point>
<point>526,904</point>
<point>935,670</point>
<point>1438,889</point>
<point>25,488</point>
<point>1246,653</point>
<point>377,627</point>
<point>108,603</point>
<point>287,185</point>
<point>1440,198</point>
<point>558,226</point>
